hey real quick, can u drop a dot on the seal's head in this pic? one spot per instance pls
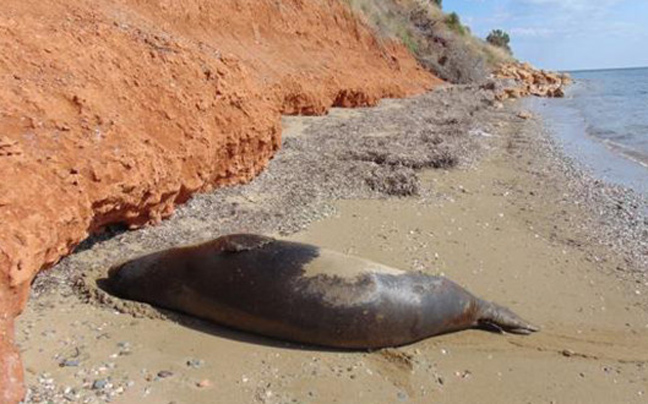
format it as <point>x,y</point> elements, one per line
<point>118,282</point>
<point>129,279</point>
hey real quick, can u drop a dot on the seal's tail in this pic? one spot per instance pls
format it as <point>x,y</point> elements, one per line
<point>502,319</point>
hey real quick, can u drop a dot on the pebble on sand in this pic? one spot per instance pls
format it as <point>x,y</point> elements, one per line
<point>195,363</point>
<point>162,374</point>
<point>203,383</point>
<point>99,384</point>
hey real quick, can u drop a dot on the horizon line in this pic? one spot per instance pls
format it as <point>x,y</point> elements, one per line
<point>590,69</point>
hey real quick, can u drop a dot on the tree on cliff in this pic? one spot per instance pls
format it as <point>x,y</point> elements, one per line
<point>453,22</point>
<point>499,38</point>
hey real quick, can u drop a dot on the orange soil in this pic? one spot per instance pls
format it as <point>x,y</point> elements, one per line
<point>116,110</point>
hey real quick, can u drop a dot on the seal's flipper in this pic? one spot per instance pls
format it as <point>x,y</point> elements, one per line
<point>502,319</point>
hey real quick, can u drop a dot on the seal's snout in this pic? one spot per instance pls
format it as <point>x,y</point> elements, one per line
<point>117,281</point>
<point>114,271</point>
<point>126,279</point>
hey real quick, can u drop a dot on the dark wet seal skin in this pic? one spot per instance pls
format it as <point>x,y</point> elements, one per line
<point>267,286</point>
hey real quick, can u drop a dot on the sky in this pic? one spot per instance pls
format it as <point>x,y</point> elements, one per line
<point>564,34</point>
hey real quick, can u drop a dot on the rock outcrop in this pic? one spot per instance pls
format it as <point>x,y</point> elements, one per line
<point>114,111</point>
<point>522,79</point>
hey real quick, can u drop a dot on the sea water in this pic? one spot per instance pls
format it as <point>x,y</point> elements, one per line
<point>603,123</point>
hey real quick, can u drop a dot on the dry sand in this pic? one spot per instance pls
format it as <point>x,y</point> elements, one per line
<point>506,227</point>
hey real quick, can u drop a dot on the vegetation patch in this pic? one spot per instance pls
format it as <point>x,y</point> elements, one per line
<point>453,22</point>
<point>500,39</point>
<point>440,41</point>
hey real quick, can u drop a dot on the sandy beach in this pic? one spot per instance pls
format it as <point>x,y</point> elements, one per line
<point>449,183</point>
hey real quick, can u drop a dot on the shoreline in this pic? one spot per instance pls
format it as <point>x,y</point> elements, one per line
<point>617,213</point>
<point>516,222</point>
<point>623,166</point>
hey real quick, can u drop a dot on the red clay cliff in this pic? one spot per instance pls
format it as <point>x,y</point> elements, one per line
<point>114,111</point>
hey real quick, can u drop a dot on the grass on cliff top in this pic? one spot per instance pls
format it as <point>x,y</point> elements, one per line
<point>440,41</point>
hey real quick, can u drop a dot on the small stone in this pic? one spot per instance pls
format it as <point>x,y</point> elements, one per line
<point>524,115</point>
<point>567,352</point>
<point>164,374</point>
<point>203,383</point>
<point>99,384</point>
<point>69,363</point>
<point>195,363</point>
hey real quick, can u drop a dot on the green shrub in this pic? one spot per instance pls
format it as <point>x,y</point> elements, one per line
<point>440,42</point>
<point>409,41</point>
<point>499,38</point>
<point>453,22</point>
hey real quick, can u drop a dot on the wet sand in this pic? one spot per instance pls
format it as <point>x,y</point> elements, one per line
<point>506,224</point>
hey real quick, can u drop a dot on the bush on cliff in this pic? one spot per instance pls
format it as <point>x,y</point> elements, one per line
<point>439,41</point>
<point>499,38</point>
<point>453,22</point>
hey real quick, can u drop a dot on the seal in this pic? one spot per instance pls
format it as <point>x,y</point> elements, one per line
<point>306,294</point>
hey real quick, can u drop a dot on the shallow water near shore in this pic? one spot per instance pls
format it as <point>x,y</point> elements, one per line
<point>603,123</point>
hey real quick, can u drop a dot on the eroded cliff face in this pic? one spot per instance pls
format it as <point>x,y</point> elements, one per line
<point>117,110</point>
